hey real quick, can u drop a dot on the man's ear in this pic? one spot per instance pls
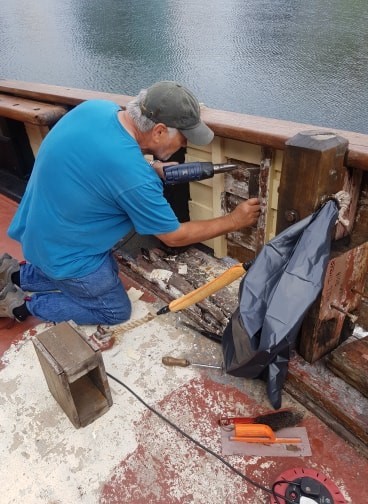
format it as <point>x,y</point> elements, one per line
<point>158,132</point>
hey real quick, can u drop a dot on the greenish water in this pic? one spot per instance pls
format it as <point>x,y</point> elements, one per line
<point>288,59</point>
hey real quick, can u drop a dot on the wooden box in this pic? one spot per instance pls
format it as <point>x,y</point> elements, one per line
<point>74,371</point>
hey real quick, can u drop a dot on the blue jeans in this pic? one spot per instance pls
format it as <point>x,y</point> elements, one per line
<point>97,298</point>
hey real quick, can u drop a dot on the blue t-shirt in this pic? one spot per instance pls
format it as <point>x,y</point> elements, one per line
<point>89,187</point>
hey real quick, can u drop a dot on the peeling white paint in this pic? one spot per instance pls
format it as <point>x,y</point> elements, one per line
<point>134,294</point>
<point>182,269</point>
<point>45,460</point>
<point>48,461</point>
<point>160,274</point>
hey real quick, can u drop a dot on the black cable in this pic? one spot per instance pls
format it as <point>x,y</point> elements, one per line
<point>124,241</point>
<point>281,482</point>
<point>200,445</point>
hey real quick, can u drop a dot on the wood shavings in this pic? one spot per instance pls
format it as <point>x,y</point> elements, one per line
<point>160,274</point>
<point>182,269</point>
<point>134,294</point>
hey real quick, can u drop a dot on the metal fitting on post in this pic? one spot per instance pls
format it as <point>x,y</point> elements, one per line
<point>352,317</point>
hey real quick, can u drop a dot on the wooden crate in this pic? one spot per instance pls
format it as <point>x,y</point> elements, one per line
<point>74,371</point>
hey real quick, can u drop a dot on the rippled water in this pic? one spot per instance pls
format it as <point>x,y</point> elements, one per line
<point>288,59</point>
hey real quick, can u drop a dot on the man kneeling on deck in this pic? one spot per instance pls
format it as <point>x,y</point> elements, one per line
<point>90,186</point>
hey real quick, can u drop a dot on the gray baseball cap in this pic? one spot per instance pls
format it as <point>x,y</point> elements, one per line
<point>175,106</point>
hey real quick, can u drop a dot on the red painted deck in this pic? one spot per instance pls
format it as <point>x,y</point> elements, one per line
<point>129,455</point>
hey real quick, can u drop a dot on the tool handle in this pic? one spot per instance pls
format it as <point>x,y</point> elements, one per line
<point>259,433</point>
<point>246,439</point>
<point>265,440</point>
<point>173,361</point>
<point>254,430</point>
<point>187,172</point>
<point>208,289</point>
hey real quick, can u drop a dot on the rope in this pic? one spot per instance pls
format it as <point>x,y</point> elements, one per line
<point>343,199</point>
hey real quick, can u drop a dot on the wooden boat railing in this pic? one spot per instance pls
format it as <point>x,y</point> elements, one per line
<point>290,166</point>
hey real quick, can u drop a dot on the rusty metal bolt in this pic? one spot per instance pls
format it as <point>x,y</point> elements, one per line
<point>291,216</point>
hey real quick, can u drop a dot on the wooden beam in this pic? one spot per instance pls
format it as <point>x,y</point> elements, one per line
<point>341,407</point>
<point>267,132</point>
<point>30,111</point>
<point>313,168</point>
<point>350,362</point>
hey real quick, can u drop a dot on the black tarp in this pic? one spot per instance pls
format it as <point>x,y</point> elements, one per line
<point>275,294</point>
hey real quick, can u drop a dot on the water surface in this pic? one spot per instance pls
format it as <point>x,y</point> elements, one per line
<point>288,59</point>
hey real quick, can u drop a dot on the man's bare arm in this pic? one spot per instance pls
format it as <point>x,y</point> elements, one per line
<point>244,215</point>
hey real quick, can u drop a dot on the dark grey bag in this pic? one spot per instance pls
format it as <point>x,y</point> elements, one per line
<point>275,294</point>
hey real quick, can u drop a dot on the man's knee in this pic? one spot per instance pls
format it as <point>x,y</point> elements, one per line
<point>124,314</point>
<point>118,314</point>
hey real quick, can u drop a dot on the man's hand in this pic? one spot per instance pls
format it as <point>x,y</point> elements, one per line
<point>158,166</point>
<point>246,214</point>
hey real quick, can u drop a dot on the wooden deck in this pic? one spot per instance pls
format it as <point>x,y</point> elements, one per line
<point>130,455</point>
<point>336,402</point>
<point>252,141</point>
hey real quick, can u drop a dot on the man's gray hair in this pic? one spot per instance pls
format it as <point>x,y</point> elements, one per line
<point>134,110</point>
<point>142,122</point>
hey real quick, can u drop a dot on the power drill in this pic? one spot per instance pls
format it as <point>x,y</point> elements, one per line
<point>188,172</point>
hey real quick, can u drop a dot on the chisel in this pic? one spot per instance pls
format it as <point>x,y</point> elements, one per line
<point>173,361</point>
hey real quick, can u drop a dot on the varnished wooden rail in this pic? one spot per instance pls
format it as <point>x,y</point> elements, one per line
<point>30,111</point>
<point>267,132</point>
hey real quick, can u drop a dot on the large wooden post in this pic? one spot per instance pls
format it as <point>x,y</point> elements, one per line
<point>314,169</point>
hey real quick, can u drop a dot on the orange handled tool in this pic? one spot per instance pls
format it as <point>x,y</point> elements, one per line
<point>259,433</point>
<point>173,361</point>
<point>207,289</point>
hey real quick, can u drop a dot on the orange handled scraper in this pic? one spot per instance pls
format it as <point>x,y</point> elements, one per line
<point>259,433</point>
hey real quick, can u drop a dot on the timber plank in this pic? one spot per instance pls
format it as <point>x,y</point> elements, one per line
<point>253,129</point>
<point>30,111</point>
<point>74,372</point>
<point>343,407</point>
<point>211,314</point>
<point>350,362</point>
<point>68,349</point>
<point>339,405</point>
<point>59,94</point>
<point>324,327</point>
